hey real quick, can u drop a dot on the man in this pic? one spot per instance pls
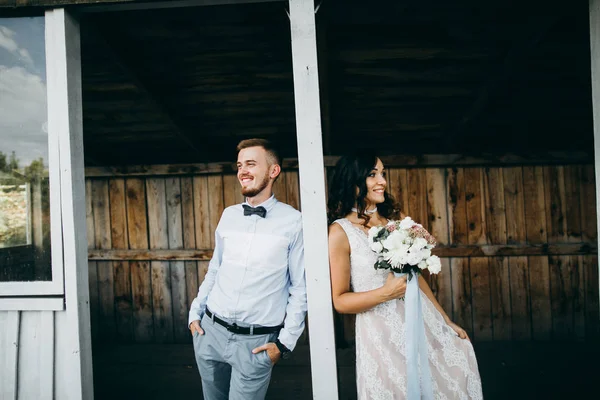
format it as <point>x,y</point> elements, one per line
<point>251,306</point>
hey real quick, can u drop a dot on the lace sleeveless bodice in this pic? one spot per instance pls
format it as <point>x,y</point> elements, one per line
<point>381,344</point>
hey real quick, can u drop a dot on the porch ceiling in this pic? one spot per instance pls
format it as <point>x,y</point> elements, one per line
<point>185,85</point>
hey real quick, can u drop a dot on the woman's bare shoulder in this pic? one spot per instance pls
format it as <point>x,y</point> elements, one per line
<point>337,235</point>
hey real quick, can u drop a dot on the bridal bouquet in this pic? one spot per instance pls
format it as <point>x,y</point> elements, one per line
<point>404,247</point>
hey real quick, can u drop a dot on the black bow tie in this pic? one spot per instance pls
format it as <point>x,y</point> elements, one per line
<point>260,210</point>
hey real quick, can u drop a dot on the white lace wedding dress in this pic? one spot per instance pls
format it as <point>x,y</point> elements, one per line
<point>380,339</point>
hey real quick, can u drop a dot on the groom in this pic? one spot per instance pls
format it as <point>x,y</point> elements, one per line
<point>250,308</point>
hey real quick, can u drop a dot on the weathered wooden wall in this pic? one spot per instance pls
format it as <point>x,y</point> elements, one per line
<point>518,246</point>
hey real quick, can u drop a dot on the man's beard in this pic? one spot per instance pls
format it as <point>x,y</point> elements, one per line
<point>254,191</point>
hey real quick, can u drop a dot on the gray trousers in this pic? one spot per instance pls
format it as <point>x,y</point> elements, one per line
<point>227,366</point>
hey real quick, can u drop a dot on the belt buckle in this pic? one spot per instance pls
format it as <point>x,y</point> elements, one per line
<point>233,328</point>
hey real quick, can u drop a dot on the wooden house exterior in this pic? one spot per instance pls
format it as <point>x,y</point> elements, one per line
<point>143,118</point>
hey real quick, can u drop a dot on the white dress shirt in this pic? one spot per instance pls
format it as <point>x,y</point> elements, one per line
<point>256,274</point>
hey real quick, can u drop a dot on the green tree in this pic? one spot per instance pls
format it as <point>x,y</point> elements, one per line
<point>13,163</point>
<point>35,170</point>
<point>3,163</point>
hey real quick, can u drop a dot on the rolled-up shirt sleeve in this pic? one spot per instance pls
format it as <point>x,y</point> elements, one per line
<point>198,306</point>
<point>296,306</point>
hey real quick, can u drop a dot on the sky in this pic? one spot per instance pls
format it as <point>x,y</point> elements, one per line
<point>23,108</point>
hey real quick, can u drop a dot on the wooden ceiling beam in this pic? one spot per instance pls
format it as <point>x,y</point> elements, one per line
<point>512,61</point>
<point>126,63</point>
<point>123,5</point>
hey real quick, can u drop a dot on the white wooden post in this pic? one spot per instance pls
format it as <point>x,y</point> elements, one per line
<point>312,192</point>
<point>73,334</point>
<point>595,59</point>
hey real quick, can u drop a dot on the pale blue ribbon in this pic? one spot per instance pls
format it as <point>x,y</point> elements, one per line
<point>416,344</point>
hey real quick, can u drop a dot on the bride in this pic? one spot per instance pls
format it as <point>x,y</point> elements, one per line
<point>358,201</point>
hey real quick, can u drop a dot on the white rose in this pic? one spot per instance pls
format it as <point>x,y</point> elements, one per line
<point>407,223</point>
<point>414,258</point>
<point>434,265</point>
<point>422,264</point>
<point>425,253</point>
<point>377,247</point>
<point>418,244</point>
<point>393,241</point>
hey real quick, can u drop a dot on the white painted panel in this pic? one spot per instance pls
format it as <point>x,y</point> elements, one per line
<point>9,352</point>
<point>36,355</point>
<point>32,303</point>
<point>312,192</point>
<point>73,346</point>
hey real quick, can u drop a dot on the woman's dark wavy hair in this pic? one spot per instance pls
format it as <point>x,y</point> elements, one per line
<point>350,172</point>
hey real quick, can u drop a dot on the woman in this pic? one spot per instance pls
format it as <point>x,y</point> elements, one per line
<point>358,201</point>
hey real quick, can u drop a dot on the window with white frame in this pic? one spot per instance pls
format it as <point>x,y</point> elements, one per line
<point>30,234</point>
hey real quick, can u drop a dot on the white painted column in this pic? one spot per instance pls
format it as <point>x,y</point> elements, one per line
<point>595,60</point>
<point>312,192</point>
<point>73,336</point>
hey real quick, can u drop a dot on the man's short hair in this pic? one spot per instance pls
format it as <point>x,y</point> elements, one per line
<point>272,153</point>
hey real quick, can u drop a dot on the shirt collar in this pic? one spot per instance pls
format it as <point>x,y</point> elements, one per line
<point>267,204</point>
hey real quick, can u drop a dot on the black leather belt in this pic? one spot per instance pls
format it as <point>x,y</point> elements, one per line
<point>243,330</point>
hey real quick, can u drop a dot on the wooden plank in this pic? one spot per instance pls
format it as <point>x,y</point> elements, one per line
<point>92,265</point>
<point>514,202</point>
<point>129,5</point>
<point>292,189</point>
<point>457,206</point>
<point>141,289</point>
<point>516,250</point>
<point>232,193</point>
<point>476,228</point>
<point>396,161</point>
<point>202,270</point>
<point>482,307</point>
<point>398,182</point>
<point>441,251</point>
<point>541,308</point>
<point>591,274</point>
<point>501,301</point>
<point>202,213</point>
<point>441,284</point>
<point>314,221</point>
<point>562,300</point>
<point>572,181</point>
<point>578,288</point>
<point>122,272</point>
<point>279,187</point>
<point>556,204</point>
<point>178,285</point>
<point>592,309</point>
<point>437,205</point>
<point>495,212</point>
<point>519,298</point>
<point>589,230</point>
<point>189,238</point>
<point>461,294</point>
<point>102,227</point>
<point>215,204</point>
<point>162,305</point>
<point>535,204</point>
<point>9,343</point>
<point>417,197</point>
